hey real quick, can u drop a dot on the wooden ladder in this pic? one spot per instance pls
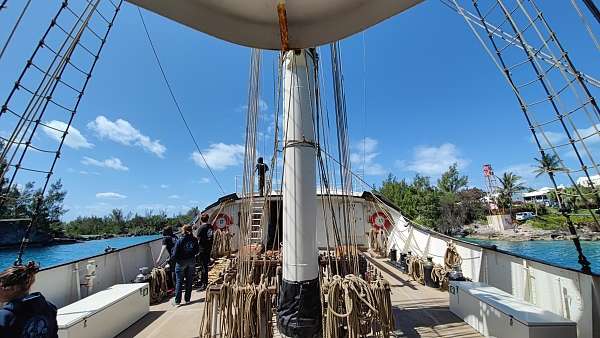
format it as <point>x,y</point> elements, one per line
<point>256,219</point>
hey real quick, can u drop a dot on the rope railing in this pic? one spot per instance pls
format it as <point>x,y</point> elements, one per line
<point>30,118</point>
<point>563,88</point>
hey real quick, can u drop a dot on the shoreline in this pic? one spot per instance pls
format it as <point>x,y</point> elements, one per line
<point>67,240</point>
<point>524,233</point>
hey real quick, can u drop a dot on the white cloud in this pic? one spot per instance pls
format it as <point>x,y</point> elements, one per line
<point>204,180</point>
<point>174,197</point>
<point>110,195</point>
<point>85,172</point>
<point>555,138</point>
<point>164,186</point>
<point>433,161</point>
<point>220,156</point>
<point>74,138</point>
<point>590,135</point>
<point>365,152</point>
<point>123,132</point>
<point>111,163</point>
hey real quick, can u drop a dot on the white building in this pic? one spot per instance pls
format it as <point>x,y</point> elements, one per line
<point>584,182</point>
<point>540,196</point>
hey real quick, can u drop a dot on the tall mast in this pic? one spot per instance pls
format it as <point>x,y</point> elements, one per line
<point>299,309</point>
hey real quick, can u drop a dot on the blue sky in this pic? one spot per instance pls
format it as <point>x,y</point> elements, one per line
<point>433,98</point>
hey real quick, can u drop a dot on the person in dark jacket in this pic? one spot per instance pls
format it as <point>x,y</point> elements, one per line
<point>184,254</point>
<point>168,244</point>
<point>205,239</point>
<point>24,315</point>
<point>261,169</point>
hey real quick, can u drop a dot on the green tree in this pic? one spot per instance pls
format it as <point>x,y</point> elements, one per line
<point>511,184</point>
<point>549,164</point>
<point>451,181</point>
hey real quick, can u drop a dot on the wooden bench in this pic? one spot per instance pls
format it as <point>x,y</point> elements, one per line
<point>495,313</point>
<point>105,313</point>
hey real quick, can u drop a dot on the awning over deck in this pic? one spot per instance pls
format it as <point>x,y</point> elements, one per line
<point>255,23</point>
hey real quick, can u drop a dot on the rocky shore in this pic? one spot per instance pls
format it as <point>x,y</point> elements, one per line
<point>526,233</point>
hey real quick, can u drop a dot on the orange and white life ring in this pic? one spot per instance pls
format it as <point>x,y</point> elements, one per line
<point>222,221</point>
<point>380,220</point>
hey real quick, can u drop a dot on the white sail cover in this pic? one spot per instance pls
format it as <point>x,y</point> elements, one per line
<point>255,23</point>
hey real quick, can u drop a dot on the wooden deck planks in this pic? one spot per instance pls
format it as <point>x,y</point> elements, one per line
<point>420,312</point>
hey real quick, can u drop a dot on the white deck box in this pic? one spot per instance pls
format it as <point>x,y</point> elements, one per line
<point>495,313</point>
<point>105,313</point>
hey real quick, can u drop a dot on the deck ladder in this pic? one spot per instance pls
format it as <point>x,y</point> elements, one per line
<point>255,235</point>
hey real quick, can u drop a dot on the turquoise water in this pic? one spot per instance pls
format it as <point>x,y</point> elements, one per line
<point>58,254</point>
<point>560,253</point>
<point>557,252</point>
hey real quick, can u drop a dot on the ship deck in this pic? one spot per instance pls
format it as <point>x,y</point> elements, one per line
<point>419,311</point>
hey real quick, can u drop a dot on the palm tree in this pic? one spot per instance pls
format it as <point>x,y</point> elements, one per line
<point>550,164</point>
<point>511,184</point>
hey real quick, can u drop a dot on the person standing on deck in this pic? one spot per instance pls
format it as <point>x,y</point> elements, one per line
<point>168,244</point>
<point>184,254</point>
<point>24,314</point>
<point>262,169</point>
<point>205,239</point>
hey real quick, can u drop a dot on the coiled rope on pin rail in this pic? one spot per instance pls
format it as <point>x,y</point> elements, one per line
<point>439,275</point>
<point>415,268</point>
<point>382,294</point>
<point>357,308</point>
<point>241,311</point>
<point>452,259</point>
<point>221,243</point>
<point>158,285</point>
<point>378,241</point>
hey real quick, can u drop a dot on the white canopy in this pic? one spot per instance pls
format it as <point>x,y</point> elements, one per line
<point>254,23</point>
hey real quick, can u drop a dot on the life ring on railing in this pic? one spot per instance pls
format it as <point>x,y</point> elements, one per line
<point>222,221</point>
<point>380,220</point>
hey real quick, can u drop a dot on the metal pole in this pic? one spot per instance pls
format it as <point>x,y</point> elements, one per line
<point>299,308</point>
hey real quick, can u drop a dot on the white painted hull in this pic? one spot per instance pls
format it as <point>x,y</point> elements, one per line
<point>566,292</point>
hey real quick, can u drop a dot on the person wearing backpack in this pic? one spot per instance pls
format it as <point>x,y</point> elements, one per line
<point>205,240</point>
<point>24,314</point>
<point>184,254</point>
<point>168,244</point>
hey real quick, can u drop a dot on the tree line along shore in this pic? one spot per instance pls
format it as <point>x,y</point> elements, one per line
<point>449,206</point>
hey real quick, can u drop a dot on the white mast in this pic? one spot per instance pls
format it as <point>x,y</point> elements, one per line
<point>299,310</point>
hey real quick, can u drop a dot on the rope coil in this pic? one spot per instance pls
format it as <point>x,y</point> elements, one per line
<point>158,285</point>
<point>356,308</point>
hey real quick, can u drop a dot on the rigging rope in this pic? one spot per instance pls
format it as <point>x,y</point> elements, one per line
<point>38,103</point>
<point>593,9</point>
<point>15,26</point>
<point>176,103</point>
<point>585,22</point>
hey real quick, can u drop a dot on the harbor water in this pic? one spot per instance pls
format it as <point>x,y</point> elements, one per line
<point>561,253</point>
<point>53,255</point>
